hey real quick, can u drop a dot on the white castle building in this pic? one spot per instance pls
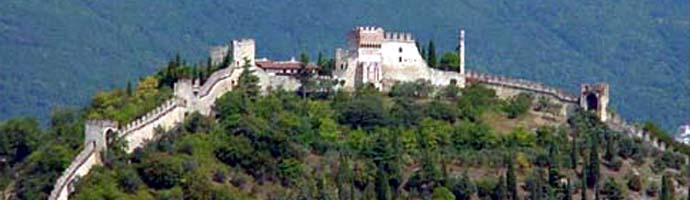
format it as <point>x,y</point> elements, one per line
<point>683,134</point>
<point>384,58</point>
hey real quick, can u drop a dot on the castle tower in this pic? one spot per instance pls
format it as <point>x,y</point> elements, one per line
<point>595,98</point>
<point>243,49</point>
<point>101,132</point>
<point>461,51</point>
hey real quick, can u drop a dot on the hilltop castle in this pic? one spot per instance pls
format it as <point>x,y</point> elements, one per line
<point>372,56</point>
<point>385,58</point>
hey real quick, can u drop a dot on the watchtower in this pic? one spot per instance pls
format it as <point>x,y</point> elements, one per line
<point>102,132</point>
<point>595,97</point>
<point>238,50</point>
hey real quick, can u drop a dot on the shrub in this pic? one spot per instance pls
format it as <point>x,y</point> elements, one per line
<point>442,193</point>
<point>462,187</point>
<point>219,176</point>
<point>635,183</point>
<point>612,190</point>
<point>653,189</point>
<point>517,105</point>
<point>160,171</point>
<point>615,164</point>
<point>129,181</point>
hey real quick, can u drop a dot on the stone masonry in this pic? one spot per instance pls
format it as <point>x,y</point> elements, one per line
<point>373,56</point>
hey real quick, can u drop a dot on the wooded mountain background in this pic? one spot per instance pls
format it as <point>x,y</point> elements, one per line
<point>59,53</point>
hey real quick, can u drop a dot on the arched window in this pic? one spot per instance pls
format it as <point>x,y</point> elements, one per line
<point>399,59</point>
<point>400,49</point>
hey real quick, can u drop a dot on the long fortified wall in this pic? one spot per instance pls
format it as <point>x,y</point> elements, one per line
<point>507,87</point>
<point>80,166</point>
<point>188,97</point>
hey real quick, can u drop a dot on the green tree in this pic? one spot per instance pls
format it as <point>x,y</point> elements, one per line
<point>612,190</point>
<point>667,191</point>
<point>19,137</point>
<point>450,61</point>
<point>381,184</point>
<point>228,60</point>
<point>511,180</point>
<point>431,58</point>
<point>593,172</point>
<point>573,153</point>
<point>161,171</point>
<point>463,188</point>
<point>248,82</point>
<point>442,193</point>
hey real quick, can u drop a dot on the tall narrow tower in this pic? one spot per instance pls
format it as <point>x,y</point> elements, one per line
<point>461,51</point>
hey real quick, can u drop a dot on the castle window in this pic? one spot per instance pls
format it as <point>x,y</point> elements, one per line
<point>400,49</point>
<point>399,59</point>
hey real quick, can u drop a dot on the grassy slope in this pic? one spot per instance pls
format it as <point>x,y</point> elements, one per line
<point>59,53</point>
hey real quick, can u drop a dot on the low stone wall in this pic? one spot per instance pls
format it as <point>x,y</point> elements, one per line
<point>80,166</point>
<point>522,85</point>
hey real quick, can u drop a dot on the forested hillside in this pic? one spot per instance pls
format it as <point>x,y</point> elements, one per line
<point>416,142</point>
<point>61,52</point>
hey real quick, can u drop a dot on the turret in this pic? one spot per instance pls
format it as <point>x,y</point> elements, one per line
<point>461,51</point>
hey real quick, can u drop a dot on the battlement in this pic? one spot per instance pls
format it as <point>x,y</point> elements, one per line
<point>147,118</point>
<point>80,166</point>
<point>101,123</point>
<point>213,80</point>
<point>374,29</point>
<point>238,50</point>
<point>521,84</point>
<point>398,37</point>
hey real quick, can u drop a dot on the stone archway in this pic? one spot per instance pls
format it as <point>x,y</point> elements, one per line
<point>110,136</point>
<point>592,101</point>
<point>595,98</point>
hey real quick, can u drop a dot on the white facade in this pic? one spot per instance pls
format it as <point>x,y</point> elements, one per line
<point>383,58</point>
<point>683,134</point>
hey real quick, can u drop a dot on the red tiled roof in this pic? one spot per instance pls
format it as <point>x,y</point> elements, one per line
<point>283,65</point>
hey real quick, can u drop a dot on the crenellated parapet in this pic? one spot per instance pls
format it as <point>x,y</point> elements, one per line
<point>398,37</point>
<point>618,124</point>
<point>79,167</point>
<point>162,109</point>
<point>521,84</point>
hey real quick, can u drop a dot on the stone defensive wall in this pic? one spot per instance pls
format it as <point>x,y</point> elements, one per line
<point>141,130</point>
<point>80,166</point>
<point>618,124</point>
<point>514,86</point>
<point>187,98</point>
<point>520,85</point>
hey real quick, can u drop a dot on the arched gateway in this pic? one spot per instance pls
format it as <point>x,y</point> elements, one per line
<point>595,97</point>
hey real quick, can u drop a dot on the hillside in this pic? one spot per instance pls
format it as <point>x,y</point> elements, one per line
<point>61,53</point>
<point>416,142</point>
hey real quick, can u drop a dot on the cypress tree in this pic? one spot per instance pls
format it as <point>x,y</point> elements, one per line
<point>511,180</point>
<point>554,175</point>
<point>573,153</point>
<point>666,188</point>
<point>433,61</point>
<point>381,184</point>
<point>500,191</point>
<point>583,185</point>
<point>129,88</point>
<point>593,172</point>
